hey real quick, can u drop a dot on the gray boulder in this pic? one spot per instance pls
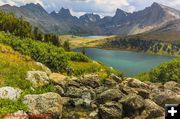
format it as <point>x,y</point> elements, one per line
<point>109,83</point>
<point>48,103</point>
<point>152,110</point>
<point>132,103</point>
<point>58,79</point>
<point>162,96</point>
<point>111,110</point>
<point>110,95</point>
<point>45,68</point>
<point>115,78</point>
<point>90,81</point>
<point>10,93</point>
<point>38,78</point>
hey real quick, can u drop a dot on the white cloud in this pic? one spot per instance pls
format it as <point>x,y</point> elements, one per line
<point>103,7</point>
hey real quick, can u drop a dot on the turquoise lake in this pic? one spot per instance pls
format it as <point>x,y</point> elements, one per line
<point>130,63</point>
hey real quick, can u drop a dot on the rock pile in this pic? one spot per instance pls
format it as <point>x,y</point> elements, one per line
<point>114,98</point>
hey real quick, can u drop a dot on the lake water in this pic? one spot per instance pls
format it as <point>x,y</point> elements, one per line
<point>130,63</point>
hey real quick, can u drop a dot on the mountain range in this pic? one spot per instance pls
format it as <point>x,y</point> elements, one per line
<point>156,18</point>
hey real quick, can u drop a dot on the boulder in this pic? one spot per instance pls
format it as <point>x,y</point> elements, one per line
<point>38,78</point>
<point>111,110</point>
<point>60,90</point>
<point>91,76</point>
<point>162,96</point>
<point>82,92</point>
<point>90,81</point>
<point>73,92</point>
<point>135,83</point>
<point>74,83</point>
<point>152,110</point>
<point>100,89</point>
<point>115,78</point>
<point>173,86</point>
<point>109,83</point>
<point>109,95</point>
<point>45,68</point>
<point>58,79</point>
<point>10,93</point>
<point>48,103</point>
<point>94,115</point>
<point>132,103</point>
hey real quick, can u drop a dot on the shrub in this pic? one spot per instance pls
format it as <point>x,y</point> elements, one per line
<point>165,72</point>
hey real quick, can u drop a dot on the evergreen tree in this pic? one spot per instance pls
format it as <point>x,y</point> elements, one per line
<point>83,51</point>
<point>66,46</point>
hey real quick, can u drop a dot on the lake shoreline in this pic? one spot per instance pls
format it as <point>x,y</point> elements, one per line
<point>132,50</point>
<point>129,62</point>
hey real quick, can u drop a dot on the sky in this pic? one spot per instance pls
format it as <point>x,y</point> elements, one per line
<point>101,7</point>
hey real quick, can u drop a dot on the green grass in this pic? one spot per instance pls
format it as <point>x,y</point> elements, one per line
<point>10,106</point>
<point>80,68</point>
<point>13,69</point>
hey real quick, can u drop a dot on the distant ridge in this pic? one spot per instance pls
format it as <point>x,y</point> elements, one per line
<point>157,17</point>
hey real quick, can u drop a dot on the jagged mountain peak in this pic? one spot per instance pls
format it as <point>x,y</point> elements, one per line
<point>34,7</point>
<point>120,11</point>
<point>64,11</point>
<point>90,17</point>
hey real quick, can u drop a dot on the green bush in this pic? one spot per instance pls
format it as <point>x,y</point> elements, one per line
<point>165,72</point>
<point>50,55</point>
<point>78,57</point>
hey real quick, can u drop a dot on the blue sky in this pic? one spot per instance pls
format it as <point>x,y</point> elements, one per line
<point>102,7</point>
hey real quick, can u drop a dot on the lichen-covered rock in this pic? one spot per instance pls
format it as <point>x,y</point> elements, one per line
<point>94,115</point>
<point>162,96</point>
<point>10,93</point>
<point>132,103</point>
<point>91,82</point>
<point>110,95</point>
<point>109,83</point>
<point>48,103</point>
<point>135,83</point>
<point>58,79</point>
<point>111,110</point>
<point>152,110</point>
<point>74,83</point>
<point>45,68</point>
<point>73,92</point>
<point>115,78</point>
<point>38,78</point>
<point>60,90</point>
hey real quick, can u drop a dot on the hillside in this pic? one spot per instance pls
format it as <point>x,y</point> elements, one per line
<point>29,89</point>
<point>156,17</point>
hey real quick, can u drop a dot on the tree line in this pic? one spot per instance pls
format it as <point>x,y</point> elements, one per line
<point>19,27</point>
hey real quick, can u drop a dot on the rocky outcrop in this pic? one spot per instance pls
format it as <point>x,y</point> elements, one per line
<point>10,93</point>
<point>87,97</point>
<point>37,78</point>
<point>116,99</point>
<point>58,79</point>
<point>48,103</point>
